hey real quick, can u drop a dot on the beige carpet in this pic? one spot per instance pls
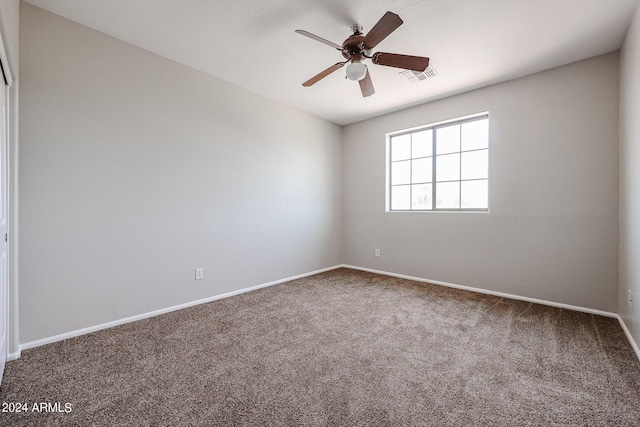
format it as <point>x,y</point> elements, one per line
<point>342,348</point>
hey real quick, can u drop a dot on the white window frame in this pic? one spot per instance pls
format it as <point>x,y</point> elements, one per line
<point>434,127</point>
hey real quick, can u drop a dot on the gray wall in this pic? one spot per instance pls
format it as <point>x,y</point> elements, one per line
<point>9,26</point>
<point>135,170</point>
<point>551,232</point>
<point>630,178</point>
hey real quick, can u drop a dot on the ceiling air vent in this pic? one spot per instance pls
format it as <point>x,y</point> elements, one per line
<point>416,76</point>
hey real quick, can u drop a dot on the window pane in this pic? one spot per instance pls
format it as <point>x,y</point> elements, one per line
<point>444,167</point>
<point>448,139</point>
<point>422,144</point>
<point>401,197</point>
<point>421,170</point>
<point>421,196</point>
<point>475,135</point>
<point>475,194</point>
<point>401,172</point>
<point>448,167</point>
<point>401,147</point>
<point>475,164</point>
<point>448,195</point>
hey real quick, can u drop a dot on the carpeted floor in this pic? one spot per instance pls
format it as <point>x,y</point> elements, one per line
<point>342,348</point>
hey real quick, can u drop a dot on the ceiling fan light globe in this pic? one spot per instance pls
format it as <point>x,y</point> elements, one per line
<point>356,71</point>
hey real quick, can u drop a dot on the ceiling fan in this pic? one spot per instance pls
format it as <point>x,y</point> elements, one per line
<point>358,47</point>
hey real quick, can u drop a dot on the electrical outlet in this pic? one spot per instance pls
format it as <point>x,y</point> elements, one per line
<point>630,297</point>
<point>377,253</point>
<point>199,273</point>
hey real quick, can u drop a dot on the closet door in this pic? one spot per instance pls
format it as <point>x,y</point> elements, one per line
<point>4,277</point>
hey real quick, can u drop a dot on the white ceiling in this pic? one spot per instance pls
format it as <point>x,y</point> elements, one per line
<point>252,43</point>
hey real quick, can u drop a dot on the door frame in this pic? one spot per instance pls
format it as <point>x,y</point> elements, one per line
<point>7,133</point>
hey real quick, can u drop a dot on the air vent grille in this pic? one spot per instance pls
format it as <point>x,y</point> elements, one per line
<point>417,76</point>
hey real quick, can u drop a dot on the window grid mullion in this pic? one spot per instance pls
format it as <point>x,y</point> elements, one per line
<point>411,171</point>
<point>390,175</point>
<point>460,169</point>
<point>434,141</point>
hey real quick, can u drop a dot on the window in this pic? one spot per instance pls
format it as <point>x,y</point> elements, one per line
<point>440,167</point>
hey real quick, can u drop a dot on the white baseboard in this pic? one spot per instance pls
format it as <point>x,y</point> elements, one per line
<point>488,292</point>
<point>633,343</point>
<point>154,313</point>
<point>49,340</point>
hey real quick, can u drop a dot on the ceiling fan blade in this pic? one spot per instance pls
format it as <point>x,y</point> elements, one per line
<point>315,79</point>
<point>320,39</point>
<point>385,26</point>
<point>407,62</point>
<point>366,85</point>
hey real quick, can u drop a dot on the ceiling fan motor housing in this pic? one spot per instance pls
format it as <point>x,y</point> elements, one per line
<point>353,47</point>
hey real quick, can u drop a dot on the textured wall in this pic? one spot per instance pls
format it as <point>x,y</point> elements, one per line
<point>630,178</point>
<point>551,232</point>
<point>9,25</point>
<point>135,170</point>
